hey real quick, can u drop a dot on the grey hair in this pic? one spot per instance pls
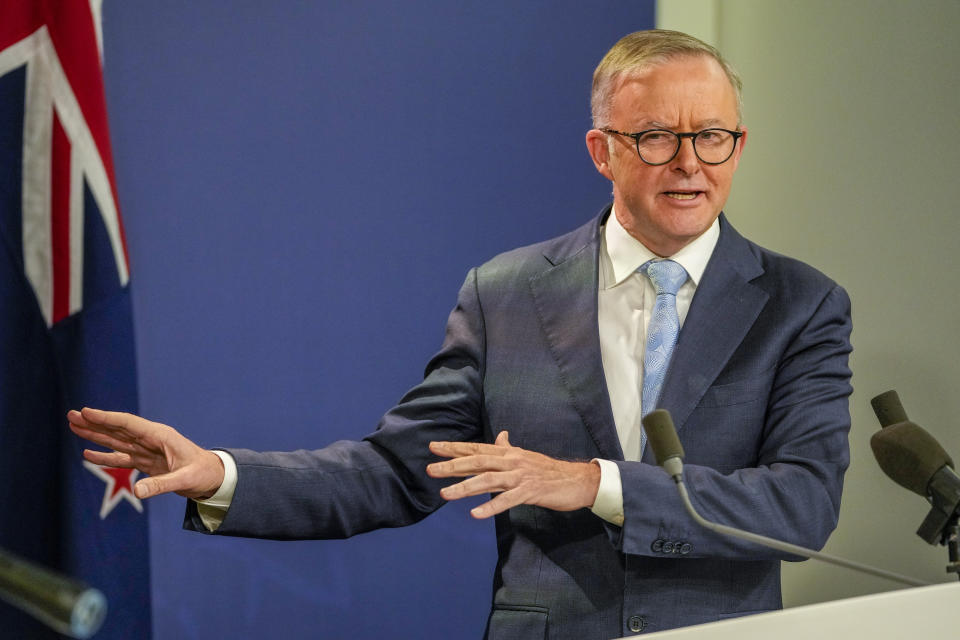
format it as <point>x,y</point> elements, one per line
<point>642,49</point>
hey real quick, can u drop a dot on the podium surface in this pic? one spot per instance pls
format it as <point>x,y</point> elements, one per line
<point>930,613</point>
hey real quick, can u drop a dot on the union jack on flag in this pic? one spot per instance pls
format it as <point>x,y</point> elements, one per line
<point>66,334</point>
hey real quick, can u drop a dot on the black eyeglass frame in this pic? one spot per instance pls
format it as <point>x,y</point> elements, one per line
<point>679,136</point>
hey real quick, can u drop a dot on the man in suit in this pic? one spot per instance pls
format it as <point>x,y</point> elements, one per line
<point>552,354</point>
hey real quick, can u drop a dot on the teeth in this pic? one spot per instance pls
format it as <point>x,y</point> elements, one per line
<point>681,196</point>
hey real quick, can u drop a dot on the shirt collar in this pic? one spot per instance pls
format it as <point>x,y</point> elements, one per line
<point>625,254</point>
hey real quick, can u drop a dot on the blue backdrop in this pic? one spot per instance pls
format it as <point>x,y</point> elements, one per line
<point>305,185</point>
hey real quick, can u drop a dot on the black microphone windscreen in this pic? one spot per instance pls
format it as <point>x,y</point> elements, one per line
<point>888,408</point>
<point>662,436</point>
<point>909,455</point>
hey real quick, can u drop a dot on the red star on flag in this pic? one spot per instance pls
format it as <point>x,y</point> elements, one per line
<point>119,486</point>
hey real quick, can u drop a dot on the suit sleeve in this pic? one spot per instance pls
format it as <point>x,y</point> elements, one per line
<point>792,491</point>
<point>350,487</point>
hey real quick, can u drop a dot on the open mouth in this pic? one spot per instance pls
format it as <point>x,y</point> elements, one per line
<point>682,195</point>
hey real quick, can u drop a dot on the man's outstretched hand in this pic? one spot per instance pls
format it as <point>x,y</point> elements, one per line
<point>174,463</point>
<point>517,475</point>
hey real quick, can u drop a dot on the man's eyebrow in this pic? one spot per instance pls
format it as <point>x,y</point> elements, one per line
<point>701,125</point>
<point>654,124</point>
<point>712,122</point>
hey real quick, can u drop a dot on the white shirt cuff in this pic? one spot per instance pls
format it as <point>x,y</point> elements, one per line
<point>609,502</point>
<point>213,510</point>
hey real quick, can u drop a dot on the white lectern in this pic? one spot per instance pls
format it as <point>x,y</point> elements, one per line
<point>920,613</point>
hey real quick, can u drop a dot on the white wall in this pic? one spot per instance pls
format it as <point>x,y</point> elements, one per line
<point>853,111</point>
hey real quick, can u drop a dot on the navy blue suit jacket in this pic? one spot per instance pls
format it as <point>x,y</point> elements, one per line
<point>758,390</point>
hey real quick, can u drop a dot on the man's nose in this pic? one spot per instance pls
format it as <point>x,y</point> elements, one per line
<point>686,159</point>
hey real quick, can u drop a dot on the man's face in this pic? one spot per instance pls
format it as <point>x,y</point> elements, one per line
<point>667,206</point>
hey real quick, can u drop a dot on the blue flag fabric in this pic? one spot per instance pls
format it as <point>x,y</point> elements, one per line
<point>66,333</point>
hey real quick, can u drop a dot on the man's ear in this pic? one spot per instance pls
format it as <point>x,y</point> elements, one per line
<point>599,149</point>
<point>739,150</point>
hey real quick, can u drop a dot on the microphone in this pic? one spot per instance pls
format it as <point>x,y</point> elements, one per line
<point>63,604</point>
<point>888,409</point>
<point>663,439</point>
<point>914,459</point>
<point>911,456</point>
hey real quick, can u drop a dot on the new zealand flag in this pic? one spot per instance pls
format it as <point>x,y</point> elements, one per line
<point>66,336</point>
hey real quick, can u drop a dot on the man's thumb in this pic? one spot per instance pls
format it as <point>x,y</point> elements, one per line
<point>147,488</point>
<point>155,485</point>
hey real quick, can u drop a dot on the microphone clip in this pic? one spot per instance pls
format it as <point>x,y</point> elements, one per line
<point>941,524</point>
<point>942,518</point>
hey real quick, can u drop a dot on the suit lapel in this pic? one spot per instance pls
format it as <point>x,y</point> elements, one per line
<point>565,297</point>
<point>724,308</point>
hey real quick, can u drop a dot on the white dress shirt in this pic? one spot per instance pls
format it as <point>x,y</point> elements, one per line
<point>625,301</point>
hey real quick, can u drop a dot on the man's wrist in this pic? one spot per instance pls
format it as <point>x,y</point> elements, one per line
<point>592,475</point>
<point>223,496</point>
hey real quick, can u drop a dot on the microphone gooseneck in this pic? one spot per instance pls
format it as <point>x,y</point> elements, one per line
<point>667,449</point>
<point>62,603</point>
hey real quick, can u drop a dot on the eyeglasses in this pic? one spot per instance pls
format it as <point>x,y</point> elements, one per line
<point>660,146</point>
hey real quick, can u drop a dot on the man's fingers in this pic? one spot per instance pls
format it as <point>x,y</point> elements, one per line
<point>119,431</point>
<point>76,419</point>
<point>98,416</point>
<point>463,449</point>
<point>103,439</point>
<point>498,504</point>
<point>180,480</point>
<point>526,478</point>
<point>468,466</point>
<point>149,487</point>
<point>490,482</point>
<point>174,463</point>
<point>111,459</point>
<point>93,430</point>
<point>200,479</point>
<point>117,422</point>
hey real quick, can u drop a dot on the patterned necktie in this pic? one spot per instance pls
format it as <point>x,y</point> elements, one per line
<point>667,277</point>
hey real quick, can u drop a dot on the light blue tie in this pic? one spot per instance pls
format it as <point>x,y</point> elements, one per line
<point>667,277</point>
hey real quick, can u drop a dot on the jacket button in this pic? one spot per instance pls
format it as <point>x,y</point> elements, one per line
<point>657,545</point>
<point>636,623</point>
<point>685,549</point>
<point>668,547</point>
